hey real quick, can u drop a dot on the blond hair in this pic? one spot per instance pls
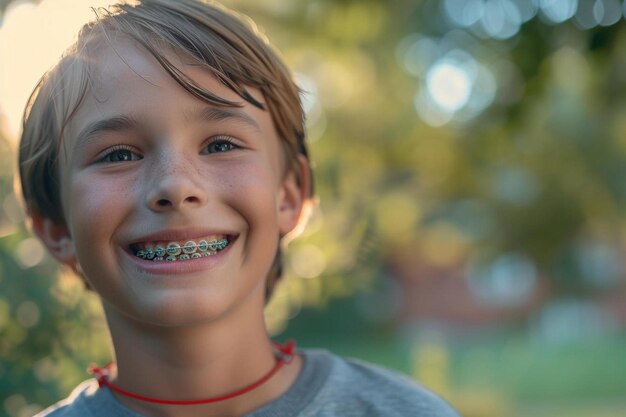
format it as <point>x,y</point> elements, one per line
<point>226,45</point>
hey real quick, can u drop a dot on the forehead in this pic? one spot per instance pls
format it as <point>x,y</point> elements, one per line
<point>126,80</point>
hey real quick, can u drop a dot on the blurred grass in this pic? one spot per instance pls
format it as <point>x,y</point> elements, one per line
<point>487,374</point>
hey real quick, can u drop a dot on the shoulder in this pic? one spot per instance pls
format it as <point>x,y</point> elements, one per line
<point>358,388</point>
<point>78,403</point>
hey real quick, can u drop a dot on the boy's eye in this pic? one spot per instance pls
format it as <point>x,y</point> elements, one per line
<point>120,155</point>
<point>220,145</point>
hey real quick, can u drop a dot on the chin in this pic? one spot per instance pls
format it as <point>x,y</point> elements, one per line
<point>173,311</point>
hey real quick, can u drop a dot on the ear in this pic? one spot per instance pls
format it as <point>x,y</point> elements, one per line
<point>56,238</point>
<point>294,197</point>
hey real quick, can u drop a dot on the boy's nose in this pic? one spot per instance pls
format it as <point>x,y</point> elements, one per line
<point>176,190</point>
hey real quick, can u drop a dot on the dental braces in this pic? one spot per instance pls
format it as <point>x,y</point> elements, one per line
<point>176,252</point>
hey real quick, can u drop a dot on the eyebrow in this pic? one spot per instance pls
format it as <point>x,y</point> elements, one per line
<point>125,123</point>
<point>218,114</point>
<point>111,124</point>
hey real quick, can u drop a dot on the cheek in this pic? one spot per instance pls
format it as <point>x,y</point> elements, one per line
<point>97,207</point>
<point>90,198</point>
<point>94,206</point>
<point>252,191</point>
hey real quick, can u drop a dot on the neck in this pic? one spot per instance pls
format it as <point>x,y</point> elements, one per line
<point>195,362</point>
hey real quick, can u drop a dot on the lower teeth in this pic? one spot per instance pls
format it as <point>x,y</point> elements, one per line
<point>209,249</point>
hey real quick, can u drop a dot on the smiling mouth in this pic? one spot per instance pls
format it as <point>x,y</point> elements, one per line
<point>180,251</point>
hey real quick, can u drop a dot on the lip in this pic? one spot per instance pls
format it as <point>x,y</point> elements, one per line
<point>178,235</point>
<point>180,267</point>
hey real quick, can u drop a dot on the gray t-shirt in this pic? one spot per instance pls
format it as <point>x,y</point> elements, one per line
<point>328,386</point>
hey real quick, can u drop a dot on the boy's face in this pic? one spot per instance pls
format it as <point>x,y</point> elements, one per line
<point>146,164</point>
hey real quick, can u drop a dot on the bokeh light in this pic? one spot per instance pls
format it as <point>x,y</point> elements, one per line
<point>572,320</point>
<point>558,11</point>
<point>30,252</point>
<point>449,85</point>
<point>45,369</point>
<point>28,314</point>
<point>607,12</point>
<point>417,53</point>
<point>515,186</point>
<point>508,280</point>
<point>599,263</point>
<point>501,19</point>
<point>498,19</point>
<point>308,261</point>
<point>456,86</point>
<point>464,13</point>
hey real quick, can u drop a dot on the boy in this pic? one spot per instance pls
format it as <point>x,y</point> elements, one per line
<point>163,159</point>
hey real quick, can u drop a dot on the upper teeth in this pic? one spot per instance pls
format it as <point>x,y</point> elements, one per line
<point>176,250</point>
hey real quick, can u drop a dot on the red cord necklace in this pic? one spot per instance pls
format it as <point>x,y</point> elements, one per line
<point>286,354</point>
